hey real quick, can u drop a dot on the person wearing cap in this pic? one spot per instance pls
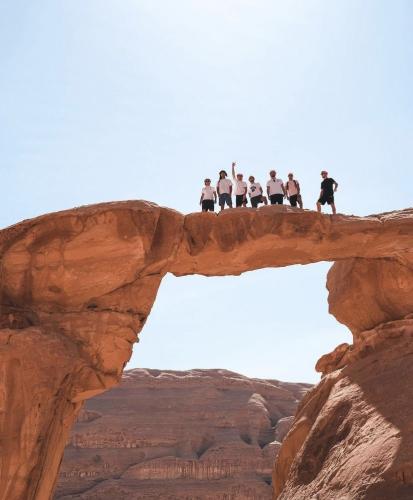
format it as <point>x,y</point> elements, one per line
<point>240,188</point>
<point>328,188</point>
<point>292,187</point>
<point>255,193</point>
<point>224,189</point>
<point>208,196</point>
<point>275,189</point>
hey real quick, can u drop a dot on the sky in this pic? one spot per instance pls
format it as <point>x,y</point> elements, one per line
<point>106,100</point>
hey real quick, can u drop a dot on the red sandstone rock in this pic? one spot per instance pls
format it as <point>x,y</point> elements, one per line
<point>364,293</point>
<point>199,434</point>
<point>282,427</point>
<point>273,236</point>
<point>352,435</point>
<point>77,287</point>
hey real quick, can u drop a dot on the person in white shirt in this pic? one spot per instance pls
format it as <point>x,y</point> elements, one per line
<point>240,188</point>
<point>224,189</point>
<point>255,193</point>
<point>275,189</point>
<point>208,197</point>
<point>292,188</point>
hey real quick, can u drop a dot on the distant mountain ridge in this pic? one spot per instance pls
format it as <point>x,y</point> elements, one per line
<point>202,434</point>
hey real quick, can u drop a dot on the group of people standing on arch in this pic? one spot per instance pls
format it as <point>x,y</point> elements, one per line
<point>277,191</point>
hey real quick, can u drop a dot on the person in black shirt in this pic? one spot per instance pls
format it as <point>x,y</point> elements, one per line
<point>327,192</point>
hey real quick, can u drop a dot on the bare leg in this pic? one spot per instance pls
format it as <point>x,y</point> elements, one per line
<point>333,208</point>
<point>318,206</point>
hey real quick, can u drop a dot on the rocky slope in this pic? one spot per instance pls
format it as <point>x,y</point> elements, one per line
<point>77,287</point>
<point>194,434</point>
<point>352,437</point>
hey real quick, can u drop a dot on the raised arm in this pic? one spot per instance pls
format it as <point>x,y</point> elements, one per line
<point>233,170</point>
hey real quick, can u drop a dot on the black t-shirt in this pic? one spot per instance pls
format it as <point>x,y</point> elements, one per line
<point>327,186</point>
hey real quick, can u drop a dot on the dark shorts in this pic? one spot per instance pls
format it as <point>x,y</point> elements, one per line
<point>326,199</point>
<point>293,200</point>
<point>207,205</point>
<point>239,200</point>
<point>255,201</point>
<point>225,198</point>
<point>277,199</point>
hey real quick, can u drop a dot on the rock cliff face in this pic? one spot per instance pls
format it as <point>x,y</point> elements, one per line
<point>179,432</point>
<point>77,287</point>
<point>352,435</point>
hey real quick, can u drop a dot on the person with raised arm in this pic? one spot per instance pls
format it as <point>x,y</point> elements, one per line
<point>208,197</point>
<point>240,188</point>
<point>224,190</point>
<point>275,189</point>
<point>328,188</point>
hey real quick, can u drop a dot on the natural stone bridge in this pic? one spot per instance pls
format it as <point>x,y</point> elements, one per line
<point>77,287</point>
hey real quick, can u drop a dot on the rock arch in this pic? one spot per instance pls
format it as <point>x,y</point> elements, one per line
<point>77,287</point>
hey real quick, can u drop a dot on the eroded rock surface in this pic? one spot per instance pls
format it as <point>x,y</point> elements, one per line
<point>245,239</point>
<point>77,287</point>
<point>352,436</point>
<point>364,293</point>
<point>194,434</point>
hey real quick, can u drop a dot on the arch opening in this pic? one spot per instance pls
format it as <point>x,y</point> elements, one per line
<point>270,323</point>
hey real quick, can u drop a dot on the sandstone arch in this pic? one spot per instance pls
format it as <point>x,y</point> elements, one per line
<point>77,287</point>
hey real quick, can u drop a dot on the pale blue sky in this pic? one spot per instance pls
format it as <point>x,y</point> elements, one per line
<point>141,99</point>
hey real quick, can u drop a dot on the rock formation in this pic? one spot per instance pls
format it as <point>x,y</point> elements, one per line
<point>198,433</point>
<point>77,287</point>
<point>352,435</point>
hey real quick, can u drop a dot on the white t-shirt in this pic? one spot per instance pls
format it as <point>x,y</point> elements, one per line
<point>240,187</point>
<point>224,185</point>
<point>255,189</point>
<point>292,188</point>
<point>208,192</point>
<point>275,186</point>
